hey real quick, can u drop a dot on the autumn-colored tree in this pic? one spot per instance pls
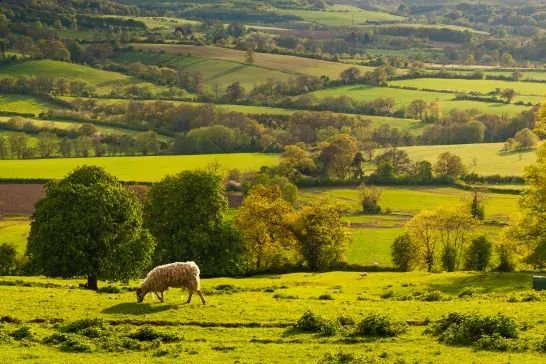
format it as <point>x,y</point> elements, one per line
<point>350,75</point>
<point>527,231</point>
<point>449,164</point>
<point>338,155</point>
<point>264,220</point>
<point>526,139</point>
<point>422,231</point>
<point>250,57</point>
<point>369,198</point>
<point>298,158</point>
<point>417,108</point>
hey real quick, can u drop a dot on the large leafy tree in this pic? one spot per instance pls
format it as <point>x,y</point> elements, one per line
<point>322,237</point>
<point>527,231</point>
<point>265,220</point>
<point>88,224</point>
<point>185,213</point>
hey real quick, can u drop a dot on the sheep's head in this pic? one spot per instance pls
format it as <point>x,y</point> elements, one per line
<point>139,295</point>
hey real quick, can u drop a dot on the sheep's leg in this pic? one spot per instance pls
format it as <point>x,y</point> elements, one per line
<point>201,295</point>
<point>160,298</point>
<point>189,296</point>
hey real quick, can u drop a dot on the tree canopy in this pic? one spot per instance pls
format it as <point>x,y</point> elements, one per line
<point>88,224</point>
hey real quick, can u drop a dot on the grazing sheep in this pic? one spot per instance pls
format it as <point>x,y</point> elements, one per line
<point>364,274</point>
<point>176,275</point>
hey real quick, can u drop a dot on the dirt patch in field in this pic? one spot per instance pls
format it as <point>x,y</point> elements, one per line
<point>19,199</point>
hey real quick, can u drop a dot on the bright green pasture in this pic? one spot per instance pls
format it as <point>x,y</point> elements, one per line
<point>103,80</point>
<point>483,86</point>
<point>151,168</point>
<point>15,230</point>
<point>404,97</point>
<point>342,18</point>
<point>488,157</point>
<point>406,201</point>
<point>23,104</point>
<point>230,341</point>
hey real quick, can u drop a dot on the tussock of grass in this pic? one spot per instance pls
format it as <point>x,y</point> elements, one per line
<point>380,325</point>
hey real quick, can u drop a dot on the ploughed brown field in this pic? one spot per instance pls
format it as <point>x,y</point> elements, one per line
<point>19,198</point>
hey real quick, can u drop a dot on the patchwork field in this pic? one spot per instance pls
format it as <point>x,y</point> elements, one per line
<point>102,80</point>
<point>246,317</point>
<point>404,97</point>
<point>288,64</point>
<point>489,158</point>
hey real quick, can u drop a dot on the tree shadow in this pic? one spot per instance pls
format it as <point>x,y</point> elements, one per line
<point>133,308</point>
<point>487,282</point>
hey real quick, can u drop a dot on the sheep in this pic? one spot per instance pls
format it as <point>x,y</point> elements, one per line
<point>176,275</point>
<point>364,274</point>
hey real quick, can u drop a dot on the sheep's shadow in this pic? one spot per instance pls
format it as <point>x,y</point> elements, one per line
<point>133,308</point>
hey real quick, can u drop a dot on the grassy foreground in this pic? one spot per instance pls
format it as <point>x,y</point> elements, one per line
<point>251,319</point>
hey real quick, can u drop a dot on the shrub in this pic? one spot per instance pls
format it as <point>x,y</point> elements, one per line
<point>22,333</point>
<point>531,297</point>
<point>369,198</point>
<point>479,253</point>
<point>340,358</point>
<point>467,292</point>
<point>380,325</point>
<point>433,296</point>
<point>284,296</point>
<point>76,344</point>
<point>346,321</point>
<point>149,334</point>
<point>465,329</point>
<point>326,297</point>
<point>80,325</point>
<point>115,344</point>
<point>404,253</point>
<point>311,322</point>
<point>496,342</point>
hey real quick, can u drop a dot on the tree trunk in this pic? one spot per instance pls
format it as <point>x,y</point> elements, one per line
<point>92,283</point>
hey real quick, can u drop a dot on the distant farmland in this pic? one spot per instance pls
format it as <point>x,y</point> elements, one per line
<point>143,169</point>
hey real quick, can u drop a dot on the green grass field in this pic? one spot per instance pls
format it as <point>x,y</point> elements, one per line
<point>103,80</point>
<point>490,160</point>
<point>484,86</point>
<point>404,97</point>
<point>151,168</point>
<point>252,326</point>
<point>15,229</point>
<point>23,104</point>
<point>287,64</point>
<point>341,18</point>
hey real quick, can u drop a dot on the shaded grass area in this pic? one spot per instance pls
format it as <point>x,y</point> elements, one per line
<point>23,104</point>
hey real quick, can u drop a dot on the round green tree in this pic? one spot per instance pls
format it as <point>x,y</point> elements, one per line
<point>185,213</point>
<point>89,225</point>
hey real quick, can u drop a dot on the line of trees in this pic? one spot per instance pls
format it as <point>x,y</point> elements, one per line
<point>182,218</point>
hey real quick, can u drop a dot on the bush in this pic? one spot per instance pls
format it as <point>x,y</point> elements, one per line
<point>149,334</point>
<point>346,321</point>
<point>340,358</point>
<point>310,322</point>
<point>80,325</point>
<point>22,333</point>
<point>76,344</point>
<point>326,297</point>
<point>283,296</point>
<point>467,292</point>
<point>479,253</point>
<point>496,342</point>
<point>465,329</point>
<point>380,325</point>
<point>115,344</point>
<point>404,253</point>
<point>369,198</point>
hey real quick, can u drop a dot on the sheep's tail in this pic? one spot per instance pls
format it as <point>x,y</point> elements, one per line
<point>195,272</point>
